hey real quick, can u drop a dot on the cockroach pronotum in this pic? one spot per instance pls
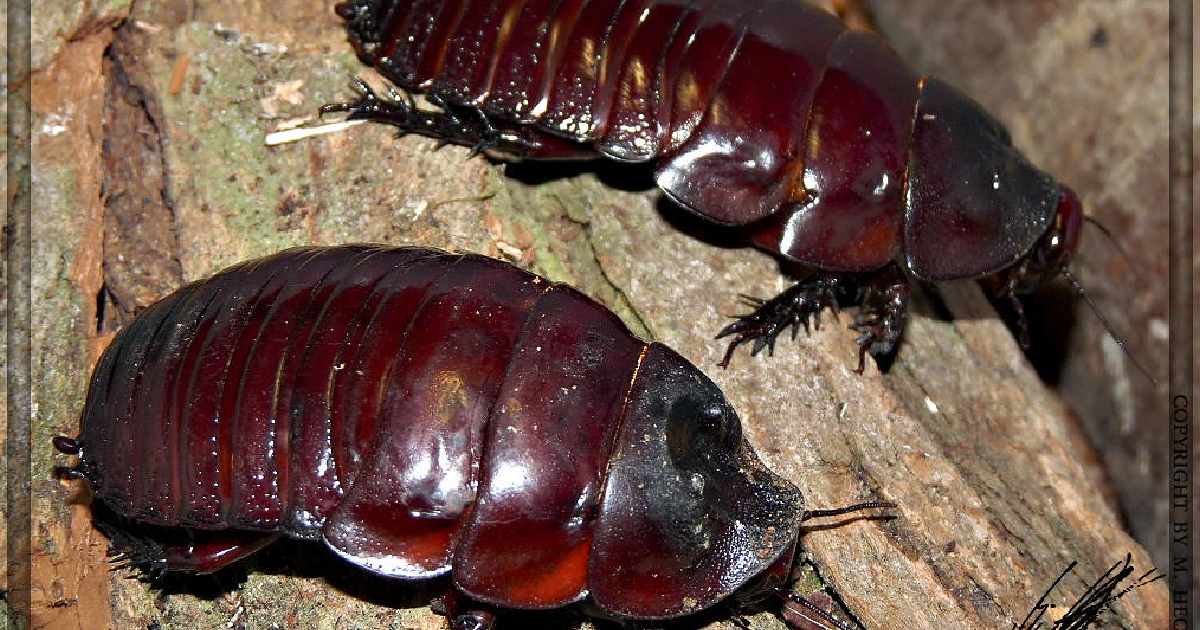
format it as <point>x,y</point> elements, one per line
<point>817,142</point>
<point>425,413</point>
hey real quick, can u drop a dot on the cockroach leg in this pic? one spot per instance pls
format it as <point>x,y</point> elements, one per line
<point>156,550</point>
<point>1006,285</point>
<point>463,614</point>
<point>474,620</point>
<point>129,549</point>
<point>882,315</point>
<point>450,124</point>
<point>1022,322</point>
<point>69,472</point>
<point>491,135</point>
<point>803,614</point>
<point>792,308</point>
<point>208,552</point>
<point>66,445</point>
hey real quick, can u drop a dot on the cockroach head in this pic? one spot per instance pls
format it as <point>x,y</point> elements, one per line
<point>690,513</point>
<point>1049,259</point>
<point>1053,252</point>
<point>364,22</point>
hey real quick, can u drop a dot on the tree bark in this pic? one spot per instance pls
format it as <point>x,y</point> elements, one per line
<point>151,171</point>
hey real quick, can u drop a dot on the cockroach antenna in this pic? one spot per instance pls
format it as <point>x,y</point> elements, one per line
<point>1097,599</point>
<point>858,507</point>
<point>1107,324</point>
<point>1112,240</point>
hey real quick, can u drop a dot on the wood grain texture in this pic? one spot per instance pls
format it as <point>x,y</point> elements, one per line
<point>994,489</point>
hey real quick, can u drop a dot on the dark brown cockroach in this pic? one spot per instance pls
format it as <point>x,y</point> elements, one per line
<point>424,413</point>
<point>817,142</point>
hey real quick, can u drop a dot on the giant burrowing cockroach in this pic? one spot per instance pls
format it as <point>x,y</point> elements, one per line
<point>425,413</point>
<point>817,142</point>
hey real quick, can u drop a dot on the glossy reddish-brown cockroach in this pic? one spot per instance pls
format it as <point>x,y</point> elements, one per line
<point>817,142</point>
<point>425,413</point>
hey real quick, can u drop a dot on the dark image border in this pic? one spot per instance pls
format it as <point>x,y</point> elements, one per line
<point>17,251</point>
<point>1181,442</point>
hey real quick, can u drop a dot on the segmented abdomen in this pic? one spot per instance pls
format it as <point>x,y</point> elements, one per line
<point>634,76</point>
<point>755,110</point>
<point>396,402</point>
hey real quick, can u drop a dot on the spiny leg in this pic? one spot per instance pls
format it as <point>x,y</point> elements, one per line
<point>467,126</point>
<point>154,551</point>
<point>882,315</point>
<point>815,611</point>
<point>792,308</point>
<point>1004,286</point>
<point>883,297</point>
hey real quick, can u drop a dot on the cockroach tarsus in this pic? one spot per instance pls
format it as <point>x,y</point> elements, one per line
<point>423,414</point>
<point>816,142</point>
